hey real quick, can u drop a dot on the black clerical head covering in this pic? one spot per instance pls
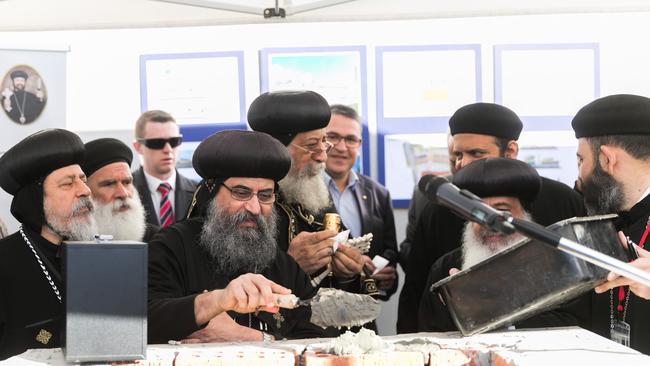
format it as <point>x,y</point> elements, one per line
<point>486,119</point>
<point>18,74</point>
<point>227,154</point>
<point>496,177</point>
<point>622,114</point>
<point>102,152</point>
<point>24,167</point>
<point>283,114</point>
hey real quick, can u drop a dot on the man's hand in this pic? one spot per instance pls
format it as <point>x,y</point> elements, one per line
<point>615,280</point>
<point>312,251</point>
<point>385,278</point>
<point>245,294</point>
<point>347,262</point>
<point>222,328</point>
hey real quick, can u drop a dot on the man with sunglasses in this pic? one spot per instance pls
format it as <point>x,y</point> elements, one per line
<point>165,193</point>
<point>298,120</point>
<point>214,276</point>
<point>364,205</point>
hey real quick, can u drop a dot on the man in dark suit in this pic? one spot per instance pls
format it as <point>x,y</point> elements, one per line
<point>165,194</point>
<point>479,130</point>
<point>364,205</point>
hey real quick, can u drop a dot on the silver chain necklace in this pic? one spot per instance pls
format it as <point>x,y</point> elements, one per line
<point>40,263</point>
<point>21,110</point>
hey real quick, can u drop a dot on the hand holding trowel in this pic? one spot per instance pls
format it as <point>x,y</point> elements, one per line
<point>335,308</point>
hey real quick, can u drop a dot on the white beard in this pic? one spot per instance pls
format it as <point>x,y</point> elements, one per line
<point>307,189</point>
<point>76,226</point>
<point>126,225</point>
<point>475,250</point>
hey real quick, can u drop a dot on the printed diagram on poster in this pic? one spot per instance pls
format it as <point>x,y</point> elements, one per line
<point>551,153</point>
<point>427,83</point>
<point>184,160</point>
<point>23,94</point>
<point>336,73</point>
<point>199,88</point>
<point>565,78</point>
<point>411,156</point>
<point>418,89</point>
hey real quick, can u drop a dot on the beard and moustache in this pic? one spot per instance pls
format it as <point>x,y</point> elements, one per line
<point>475,247</point>
<point>602,193</point>
<point>306,188</point>
<point>235,250</point>
<point>123,225</point>
<point>79,225</point>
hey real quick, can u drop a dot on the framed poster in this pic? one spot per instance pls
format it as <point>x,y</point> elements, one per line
<point>546,84</point>
<point>337,73</point>
<point>203,91</point>
<point>33,92</point>
<point>418,89</point>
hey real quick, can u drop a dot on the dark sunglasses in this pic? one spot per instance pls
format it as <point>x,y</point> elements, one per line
<point>158,144</point>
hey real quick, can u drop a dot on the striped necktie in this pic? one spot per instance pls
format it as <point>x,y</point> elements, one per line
<point>166,212</point>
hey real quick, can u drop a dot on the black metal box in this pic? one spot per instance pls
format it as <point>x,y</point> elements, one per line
<point>528,278</point>
<point>105,301</point>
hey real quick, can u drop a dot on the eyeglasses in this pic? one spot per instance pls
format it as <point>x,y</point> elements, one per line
<point>240,193</point>
<point>316,147</point>
<point>158,144</point>
<point>350,140</point>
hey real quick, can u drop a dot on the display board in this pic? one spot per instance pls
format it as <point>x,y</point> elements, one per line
<point>337,73</point>
<point>33,93</point>
<point>418,89</point>
<point>546,84</point>
<point>203,91</point>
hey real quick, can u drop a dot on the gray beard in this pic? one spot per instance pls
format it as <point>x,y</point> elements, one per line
<point>475,250</point>
<point>306,189</point>
<point>234,250</point>
<point>602,193</point>
<point>123,225</point>
<point>77,226</point>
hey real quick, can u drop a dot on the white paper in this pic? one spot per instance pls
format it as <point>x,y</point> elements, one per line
<point>379,262</point>
<point>340,238</point>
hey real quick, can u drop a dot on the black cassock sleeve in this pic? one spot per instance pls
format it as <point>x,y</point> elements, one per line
<point>171,306</point>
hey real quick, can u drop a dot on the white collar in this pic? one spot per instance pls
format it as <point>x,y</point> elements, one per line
<point>153,183</point>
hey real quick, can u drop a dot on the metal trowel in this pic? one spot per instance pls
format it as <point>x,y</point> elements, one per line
<point>335,308</point>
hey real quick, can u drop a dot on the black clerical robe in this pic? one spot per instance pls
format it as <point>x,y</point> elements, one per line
<point>30,105</point>
<point>292,220</point>
<point>434,316</point>
<point>633,224</point>
<point>179,270</point>
<point>30,313</point>
<point>439,231</point>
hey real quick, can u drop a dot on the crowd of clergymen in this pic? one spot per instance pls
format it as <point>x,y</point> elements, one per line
<point>252,227</point>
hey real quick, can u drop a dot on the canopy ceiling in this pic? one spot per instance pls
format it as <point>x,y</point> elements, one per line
<point>27,15</point>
